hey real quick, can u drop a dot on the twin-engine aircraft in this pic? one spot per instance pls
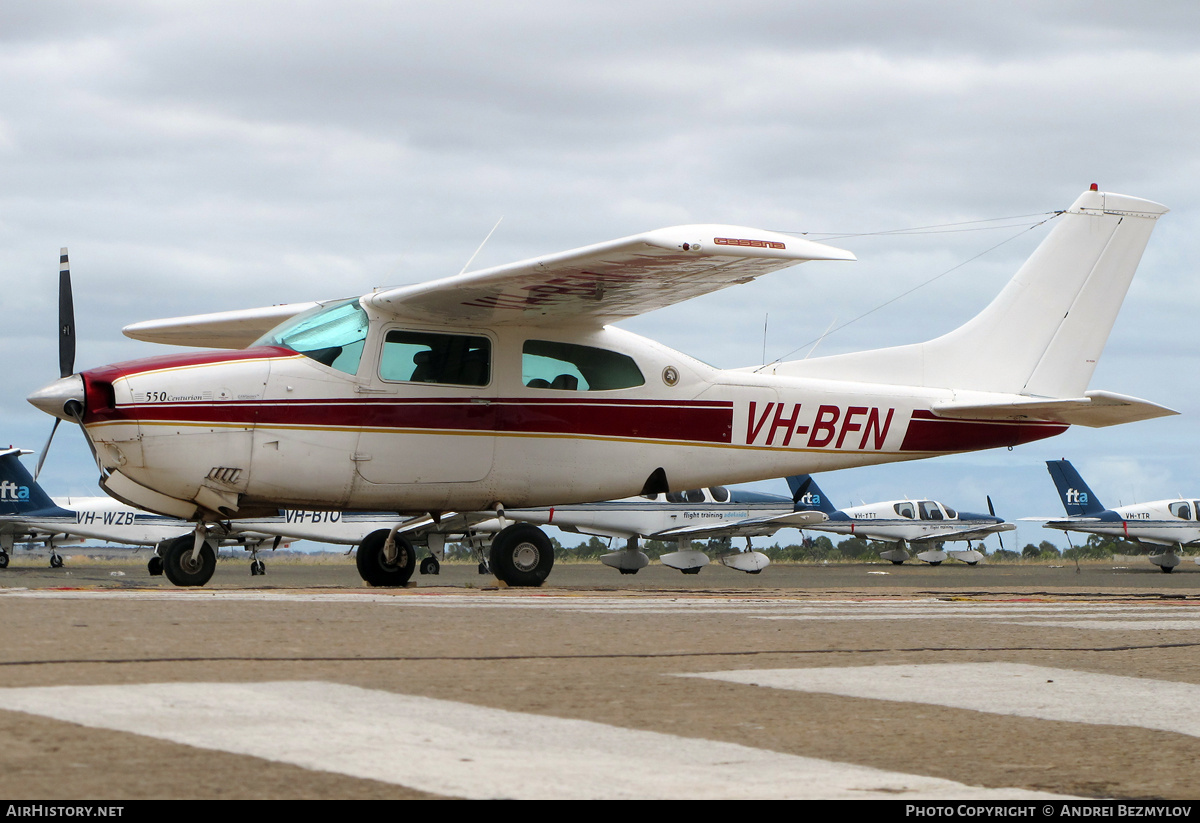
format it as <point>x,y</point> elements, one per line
<point>1170,523</point>
<point>508,388</point>
<point>917,523</point>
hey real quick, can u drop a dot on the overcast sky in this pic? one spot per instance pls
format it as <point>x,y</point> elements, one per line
<point>221,155</point>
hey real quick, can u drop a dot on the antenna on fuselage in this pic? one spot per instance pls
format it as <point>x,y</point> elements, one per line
<point>481,245</point>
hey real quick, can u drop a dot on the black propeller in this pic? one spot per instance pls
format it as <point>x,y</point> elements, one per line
<point>992,512</point>
<point>66,318</point>
<point>66,341</point>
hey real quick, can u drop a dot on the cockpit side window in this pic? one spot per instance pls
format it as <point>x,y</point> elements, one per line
<point>426,357</point>
<point>1181,510</point>
<point>689,496</point>
<point>570,367</point>
<point>905,510</point>
<point>930,510</point>
<point>331,335</point>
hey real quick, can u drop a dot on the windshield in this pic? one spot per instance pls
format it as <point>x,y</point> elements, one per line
<point>332,335</point>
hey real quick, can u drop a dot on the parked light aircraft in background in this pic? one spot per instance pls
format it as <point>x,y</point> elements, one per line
<point>493,389</point>
<point>925,523</point>
<point>28,513</point>
<point>679,516</point>
<point>1171,523</point>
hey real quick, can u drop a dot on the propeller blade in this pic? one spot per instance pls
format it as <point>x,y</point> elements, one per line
<point>66,319</point>
<point>992,512</point>
<point>46,449</point>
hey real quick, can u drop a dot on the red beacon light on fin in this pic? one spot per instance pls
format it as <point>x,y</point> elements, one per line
<point>1095,187</point>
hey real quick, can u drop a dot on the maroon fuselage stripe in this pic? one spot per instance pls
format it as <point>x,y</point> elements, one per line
<point>929,433</point>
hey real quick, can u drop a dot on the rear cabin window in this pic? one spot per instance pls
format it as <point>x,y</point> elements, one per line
<point>426,357</point>
<point>570,367</point>
<point>905,510</point>
<point>1181,510</point>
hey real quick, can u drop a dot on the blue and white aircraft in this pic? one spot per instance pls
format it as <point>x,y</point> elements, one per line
<point>1172,523</point>
<point>925,523</point>
<point>680,516</point>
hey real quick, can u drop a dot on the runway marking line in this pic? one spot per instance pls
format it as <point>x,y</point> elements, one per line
<point>1013,689</point>
<point>461,750</point>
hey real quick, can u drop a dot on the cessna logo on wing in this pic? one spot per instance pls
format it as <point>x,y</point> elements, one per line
<point>855,427</point>
<point>11,491</point>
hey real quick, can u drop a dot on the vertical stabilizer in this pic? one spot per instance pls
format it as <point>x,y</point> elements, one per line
<point>1042,335</point>
<point>1076,497</point>
<point>807,496</point>
<point>19,494</point>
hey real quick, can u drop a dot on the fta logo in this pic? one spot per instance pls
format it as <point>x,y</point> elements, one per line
<point>1076,496</point>
<point>11,491</point>
<point>809,499</point>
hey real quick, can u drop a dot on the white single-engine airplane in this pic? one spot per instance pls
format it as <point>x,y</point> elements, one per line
<point>1172,523</point>
<point>494,389</point>
<point>678,516</point>
<point>913,522</point>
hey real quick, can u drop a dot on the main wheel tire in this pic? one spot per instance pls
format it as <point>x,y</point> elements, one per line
<point>522,555</point>
<point>3,560</point>
<point>155,566</point>
<point>372,562</point>
<point>56,561</point>
<point>430,565</point>
<point>181,569</point>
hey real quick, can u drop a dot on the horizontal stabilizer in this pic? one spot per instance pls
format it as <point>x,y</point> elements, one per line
<point>220,330</point>
<point>1095,409</point>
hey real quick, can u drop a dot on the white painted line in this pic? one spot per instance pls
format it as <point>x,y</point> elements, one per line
<point>1149,624</point>
<point>461,750</point>
<point>1001,688</point>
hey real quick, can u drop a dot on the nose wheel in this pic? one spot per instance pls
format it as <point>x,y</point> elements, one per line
<point>184,567</point>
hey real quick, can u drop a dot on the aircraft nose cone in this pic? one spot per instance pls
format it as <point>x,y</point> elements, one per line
<point>55,398</point>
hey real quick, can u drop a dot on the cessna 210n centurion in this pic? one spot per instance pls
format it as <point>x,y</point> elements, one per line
<point>492,389</point>
<point>1170,523</point>
<point>915,522</point>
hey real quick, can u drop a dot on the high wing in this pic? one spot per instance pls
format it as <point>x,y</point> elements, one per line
<point>750,527</point>
<point>596,284</point>
<point>608,281</point>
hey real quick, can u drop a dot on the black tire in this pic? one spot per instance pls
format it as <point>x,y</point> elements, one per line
<point>522,555</point>
<point>695,570</point>
<point>373,566</point>
<point>257,567</point>
<point>56,561</point>
<point>179,567</point>
<point>3,560</point>
<point>1166,569</point>
<point>430,565</point>
<point>897,562</point>
<point>155,566</point>
<point>936,563</point>
<point>483,569</point>
<point>628,571</point>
